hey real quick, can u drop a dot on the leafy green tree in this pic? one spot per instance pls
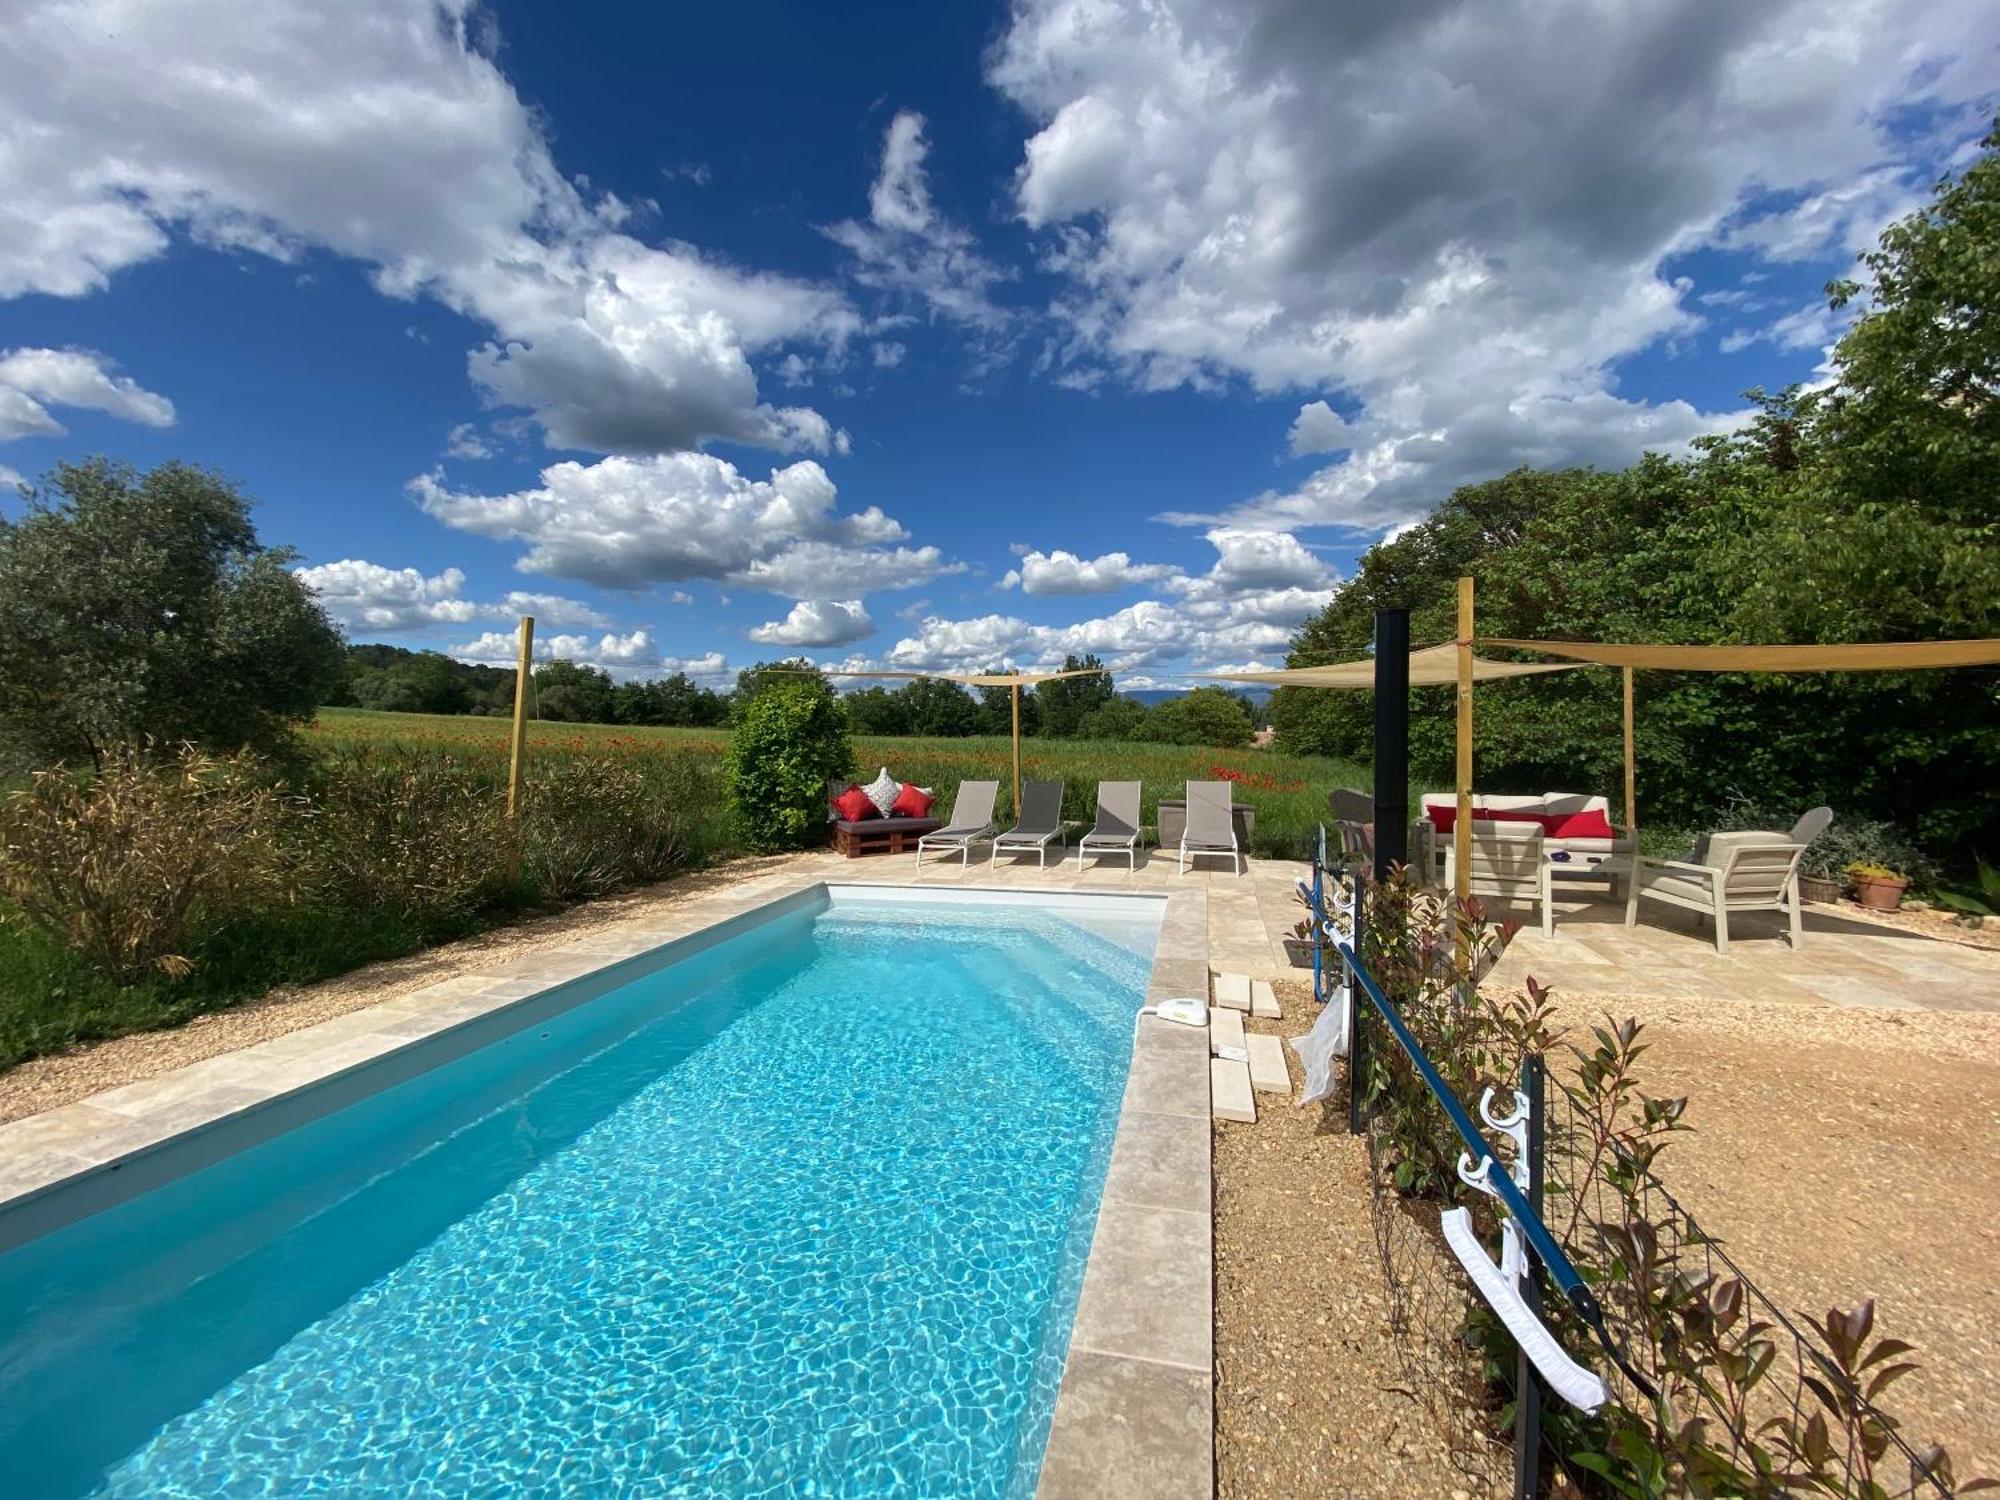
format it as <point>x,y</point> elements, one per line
<point>790,739</point>
<point>423,683</point>
<point>937,707</point>
<point>755,679</point>
<point>1120,718</point>
<point>677,701</point>
<point>572,693</point>
<point>996,712</point>
<point>1206,716</point>
<point>1064,702</point>
<point>877,710</point>
<point>143,607</point>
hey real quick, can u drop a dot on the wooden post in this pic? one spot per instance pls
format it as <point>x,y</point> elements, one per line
<point>1017,751</point>
<point>517,762</point>
<point>1631,793</point>
<point>1461,828</point>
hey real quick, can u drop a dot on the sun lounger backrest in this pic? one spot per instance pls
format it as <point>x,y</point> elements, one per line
<point>1117,808</point>
<point>1041,805</point>
<point>1812,825</point>
<point>972,807</point>
<point>1208,813</point>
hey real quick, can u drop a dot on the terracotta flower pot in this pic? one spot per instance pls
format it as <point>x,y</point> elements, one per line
<point>1879,894</point>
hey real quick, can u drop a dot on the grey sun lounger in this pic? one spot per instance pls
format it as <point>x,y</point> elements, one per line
<point>971,821</point>
<point>1117,829</point>
<point>1211,824</point>
<point>1041,820</point>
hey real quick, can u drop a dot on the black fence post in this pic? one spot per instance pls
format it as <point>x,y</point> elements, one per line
<point>1527,1384</point>
<point>1392,739</point>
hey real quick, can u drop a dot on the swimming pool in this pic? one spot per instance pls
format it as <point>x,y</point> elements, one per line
<point>804,1212</point>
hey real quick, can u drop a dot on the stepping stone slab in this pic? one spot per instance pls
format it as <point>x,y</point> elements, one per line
<point>1232,991</point>
<point>1225,1029</point>
<point>1267,1065</point>
<point>1264,1001</point>
<point>1229,1095</point>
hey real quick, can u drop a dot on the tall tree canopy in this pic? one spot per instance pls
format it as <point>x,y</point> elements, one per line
<point>1864,511</point>
<point>142,607</point>
<point>1063,703</point>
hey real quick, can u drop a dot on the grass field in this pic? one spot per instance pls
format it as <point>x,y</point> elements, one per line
<point>1288,791</point>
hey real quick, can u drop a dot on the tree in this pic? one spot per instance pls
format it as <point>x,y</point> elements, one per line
<point>877,710</point>
<point>1206,716</point>
<point>677,701</point>
<point>572,693</point>
<point>790,740</point>
<point>423,683</point>
<point>755,679</point>
<point>1116,719</point>
<point>143,607</point>
<point>937,707</point>
<point>1065,701</point>
<point>996,712</point>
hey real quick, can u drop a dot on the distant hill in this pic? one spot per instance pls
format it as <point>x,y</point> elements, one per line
<point>1150,696</point>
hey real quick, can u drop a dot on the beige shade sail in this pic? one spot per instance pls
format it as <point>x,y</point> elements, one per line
<point>975,679</point>
<point>1433,666</point>
<point>1896,656</point>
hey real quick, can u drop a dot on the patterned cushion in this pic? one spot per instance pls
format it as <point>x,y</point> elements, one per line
<point>882,791</point>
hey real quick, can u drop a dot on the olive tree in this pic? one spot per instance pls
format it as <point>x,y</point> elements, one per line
<point>142,608</point>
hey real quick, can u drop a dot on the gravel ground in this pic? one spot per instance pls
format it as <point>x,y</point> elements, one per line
<point>1842,1154</point>
<point>1310,1396</point>
<point>1932,921</point>
<point>63,1078</point>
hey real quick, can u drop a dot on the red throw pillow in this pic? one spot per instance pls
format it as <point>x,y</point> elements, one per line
<point>912,802</point>
<point>1581,825</point>
<point>853,805</point>
<point>1443,819</point>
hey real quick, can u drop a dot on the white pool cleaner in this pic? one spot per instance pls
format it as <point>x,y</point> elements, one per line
<point>1182,1012</point>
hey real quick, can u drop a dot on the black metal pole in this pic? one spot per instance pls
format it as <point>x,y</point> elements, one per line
<point>1392,739</point>
<point>1527,1384</point>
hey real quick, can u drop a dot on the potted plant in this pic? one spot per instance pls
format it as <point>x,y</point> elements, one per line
<point>1877,887</point>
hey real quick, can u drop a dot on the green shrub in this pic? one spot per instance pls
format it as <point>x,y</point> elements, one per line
<point>789,741</point>
<point>124,866</point>
<point>593,824</point>
<point>421,834</point>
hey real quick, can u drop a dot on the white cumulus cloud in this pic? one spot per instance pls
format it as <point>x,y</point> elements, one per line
<point>1458,216</point>
<point>384,131</point>
<point>817,622</point>
<point>625,655</point>
<point>631,523</point>
<point>33,380</point>
<point>366,595</point>
<point>1060,572</point>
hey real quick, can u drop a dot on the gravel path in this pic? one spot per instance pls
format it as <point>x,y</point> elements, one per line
<point>1310,1396</point>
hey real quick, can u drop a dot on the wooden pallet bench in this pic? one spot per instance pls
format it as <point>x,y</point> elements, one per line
<point>881,835</point>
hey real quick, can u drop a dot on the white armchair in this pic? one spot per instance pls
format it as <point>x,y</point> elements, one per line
<point>1507,862</point>
<point>1739,872</point>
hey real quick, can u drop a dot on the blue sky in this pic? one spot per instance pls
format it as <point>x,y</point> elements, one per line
<point>933,336</point>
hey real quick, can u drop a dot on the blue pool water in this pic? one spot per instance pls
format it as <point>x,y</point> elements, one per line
<point>802,1214</point>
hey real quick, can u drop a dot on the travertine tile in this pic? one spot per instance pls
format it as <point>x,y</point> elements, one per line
<point>1126,1429</point>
